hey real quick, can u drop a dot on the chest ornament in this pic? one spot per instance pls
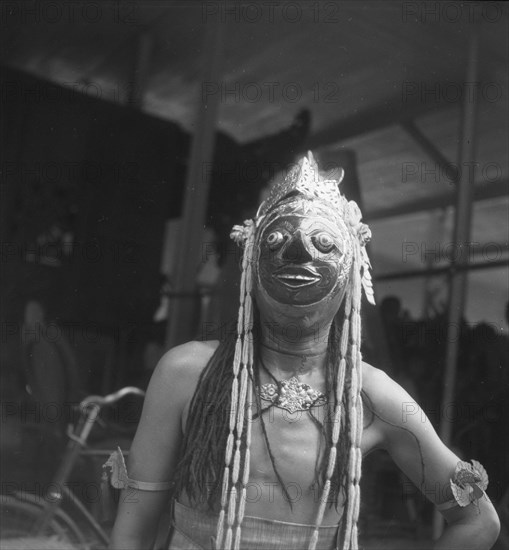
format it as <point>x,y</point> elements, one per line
<point>292,395</point>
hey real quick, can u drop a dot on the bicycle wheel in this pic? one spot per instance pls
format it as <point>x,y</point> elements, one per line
<point>17,518</point>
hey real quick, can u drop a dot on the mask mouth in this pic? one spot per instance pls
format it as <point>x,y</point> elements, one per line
<point>294,277</point>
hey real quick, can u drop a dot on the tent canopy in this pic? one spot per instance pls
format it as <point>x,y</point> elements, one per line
<point>385,79</point>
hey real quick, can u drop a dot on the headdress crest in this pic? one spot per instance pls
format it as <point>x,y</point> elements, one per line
<point>305,179</point>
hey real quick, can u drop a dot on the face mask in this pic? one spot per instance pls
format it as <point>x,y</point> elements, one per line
<point>305,254</point>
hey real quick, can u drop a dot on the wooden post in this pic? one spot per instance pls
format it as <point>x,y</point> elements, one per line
<point>115,376</point>
<point>436,223</point>
<point>140,69</point>
<point>461,236</point>
<point>181,311</point>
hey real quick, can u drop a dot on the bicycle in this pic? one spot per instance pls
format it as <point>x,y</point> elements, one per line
<point>26,518</point>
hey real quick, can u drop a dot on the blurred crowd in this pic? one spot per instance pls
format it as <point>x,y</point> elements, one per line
<point>479,410</point>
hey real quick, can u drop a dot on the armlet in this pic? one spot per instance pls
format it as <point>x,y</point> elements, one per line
<point>120,479</point>
<point>468,485</point>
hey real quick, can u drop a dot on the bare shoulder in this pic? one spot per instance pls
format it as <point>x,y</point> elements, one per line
<point>171,388</point>
<point>189,356</point>
<point>179,369</point>
<point>378,384</point>
<point>384,397</point>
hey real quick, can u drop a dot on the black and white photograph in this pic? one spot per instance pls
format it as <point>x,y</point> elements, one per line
<point>254,275</point>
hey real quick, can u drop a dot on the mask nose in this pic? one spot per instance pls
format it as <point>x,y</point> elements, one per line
<point>296,251</point>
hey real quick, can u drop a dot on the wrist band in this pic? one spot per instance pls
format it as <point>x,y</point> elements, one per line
<point>120,479</point>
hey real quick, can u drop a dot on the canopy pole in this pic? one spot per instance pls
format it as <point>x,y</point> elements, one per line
<point>461,237</point>
<point>182,307</point>
<point>141,68</point>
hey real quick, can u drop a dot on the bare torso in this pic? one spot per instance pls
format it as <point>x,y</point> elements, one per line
<point>297,445</point>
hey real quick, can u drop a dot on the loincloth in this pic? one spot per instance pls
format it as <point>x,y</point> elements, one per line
<point>196,530</point>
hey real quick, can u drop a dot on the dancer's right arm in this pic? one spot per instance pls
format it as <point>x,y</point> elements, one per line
<point>155,449</point>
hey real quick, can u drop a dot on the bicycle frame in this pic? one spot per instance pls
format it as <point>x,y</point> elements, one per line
<point>89,408</point>
<point>58,515</point>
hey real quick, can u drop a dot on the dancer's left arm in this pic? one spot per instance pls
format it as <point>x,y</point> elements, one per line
<point>410,439</point>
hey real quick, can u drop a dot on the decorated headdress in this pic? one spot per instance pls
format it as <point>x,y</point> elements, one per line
<point>303,180</point>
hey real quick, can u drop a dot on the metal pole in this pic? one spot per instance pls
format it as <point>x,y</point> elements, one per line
<point>461,236</point>
<point>181,310</point>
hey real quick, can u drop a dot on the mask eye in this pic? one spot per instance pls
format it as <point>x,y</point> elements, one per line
<point>275,239</point>
<point>323,242</point>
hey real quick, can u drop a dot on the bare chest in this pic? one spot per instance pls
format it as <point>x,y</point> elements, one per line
<point>287,450</point>
<point>295,444</point>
